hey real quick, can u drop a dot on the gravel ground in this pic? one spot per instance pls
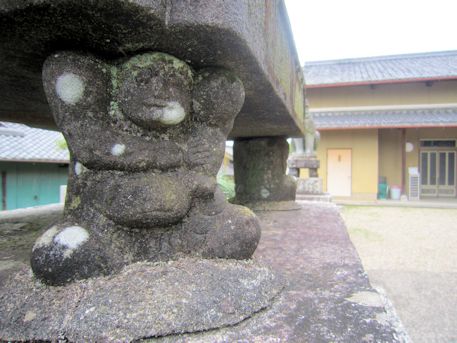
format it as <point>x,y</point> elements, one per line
<point>411,254</point>
<point>18,231</point>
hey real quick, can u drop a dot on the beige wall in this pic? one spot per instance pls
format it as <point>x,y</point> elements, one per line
<point>383,95</point>
<point>390,155</point>
<point>364,146</point>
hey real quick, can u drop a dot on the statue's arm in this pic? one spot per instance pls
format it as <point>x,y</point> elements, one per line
<point>217,98</point>
<point>79,91</point>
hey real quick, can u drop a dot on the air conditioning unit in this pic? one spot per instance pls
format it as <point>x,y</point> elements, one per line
<point>414,184</point>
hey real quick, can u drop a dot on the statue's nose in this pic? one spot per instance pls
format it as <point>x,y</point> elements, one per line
<point>155,102</point>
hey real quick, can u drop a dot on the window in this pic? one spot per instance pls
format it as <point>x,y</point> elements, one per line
<point>438,143</point>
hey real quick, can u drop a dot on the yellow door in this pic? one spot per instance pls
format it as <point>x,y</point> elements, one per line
<point>339,172</point>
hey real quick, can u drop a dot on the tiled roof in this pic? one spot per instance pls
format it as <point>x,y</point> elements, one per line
<point>428,66</point>
<point>385,118</point>
<point>22,143</point>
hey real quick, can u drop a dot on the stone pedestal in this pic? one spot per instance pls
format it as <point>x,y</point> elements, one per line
<point>311,185</point>
<point>310,188</point>
<point>260,170</point>
<point>299,161</point>
<point>143,300</point>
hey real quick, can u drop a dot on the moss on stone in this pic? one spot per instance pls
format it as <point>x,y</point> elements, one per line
<point>171,64</point>
<point>74,203</point>
<point>114,78</point>
<point>246,211</point>
<point>114,110</point>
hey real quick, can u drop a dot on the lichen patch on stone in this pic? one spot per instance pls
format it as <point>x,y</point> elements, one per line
<point>75,202</point>
<point>72,237</point>
<point>173,113</point>
<point>69,88</point>
<point>29,316</point>
<point>46,238</point>
<point>79,168</point>
<point>366,298</point>
<point>117,149</point>
<point>264,192</point>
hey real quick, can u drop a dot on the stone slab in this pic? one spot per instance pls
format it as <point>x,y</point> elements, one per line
<point>328,297</point>
<point>314,197</point>
<point>303,162</point>
<point>274,206</point>
<point>252,38</point>
<point>310,185</point>
<point>144,300</point>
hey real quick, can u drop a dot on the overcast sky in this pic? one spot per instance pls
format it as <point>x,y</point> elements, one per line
<point>335,29</point>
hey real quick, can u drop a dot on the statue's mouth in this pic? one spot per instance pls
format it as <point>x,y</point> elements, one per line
<point>163,111</point>
<point>154,102</point>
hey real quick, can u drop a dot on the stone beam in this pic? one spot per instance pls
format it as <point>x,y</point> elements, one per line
<point>250,38</point>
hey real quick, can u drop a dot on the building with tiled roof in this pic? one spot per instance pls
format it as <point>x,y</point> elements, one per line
<point>382,117</point>
<point>21,143</point>
<point>431,66</point>
<point>33,166</point>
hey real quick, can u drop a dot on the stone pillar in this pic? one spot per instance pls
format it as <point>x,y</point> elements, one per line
<point>260,170</point>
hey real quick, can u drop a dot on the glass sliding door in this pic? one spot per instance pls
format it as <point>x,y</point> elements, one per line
<point>438,173</point>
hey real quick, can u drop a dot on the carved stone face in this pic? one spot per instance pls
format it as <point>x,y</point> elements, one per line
<point>156,95</point>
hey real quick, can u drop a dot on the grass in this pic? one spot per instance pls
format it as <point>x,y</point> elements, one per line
<point>366,234</point>
<point>227,185</point>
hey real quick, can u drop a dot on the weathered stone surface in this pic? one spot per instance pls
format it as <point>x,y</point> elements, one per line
<point>325,197</point>
<point>310,185</point>
<point>147,137</point>
<point>251,38</point>
<point>144,300</point>
<point>303,162</point>
<point>274,206</point>
<point>329,297</point>
<point>260,167</point>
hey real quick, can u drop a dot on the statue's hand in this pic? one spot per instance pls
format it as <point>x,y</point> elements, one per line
<point>198,152</point>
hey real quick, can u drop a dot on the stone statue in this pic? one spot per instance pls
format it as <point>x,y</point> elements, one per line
<point>147,137</point>
<point>305,155</point>
<point>307,146</point>
<point>311,136</point>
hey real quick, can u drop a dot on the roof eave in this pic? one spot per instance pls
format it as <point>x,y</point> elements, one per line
<point>377,82</point>
<point>34,160</point>
<point>399,126</point>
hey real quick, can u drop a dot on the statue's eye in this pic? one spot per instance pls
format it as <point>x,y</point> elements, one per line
<point>141,79</point>
<point>145,76</point>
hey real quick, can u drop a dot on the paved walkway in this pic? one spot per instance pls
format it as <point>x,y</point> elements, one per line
<point>424,203</point>
<point>411,254</point>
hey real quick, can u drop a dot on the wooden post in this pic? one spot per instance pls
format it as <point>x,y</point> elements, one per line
<point>3,190</point>
<point>403,161</point>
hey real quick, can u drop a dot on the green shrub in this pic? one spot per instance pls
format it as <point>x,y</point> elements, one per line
<point>227,185</point>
